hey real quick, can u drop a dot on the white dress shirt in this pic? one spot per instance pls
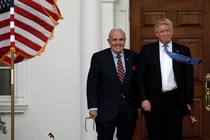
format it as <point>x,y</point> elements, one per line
<point>166,66</point>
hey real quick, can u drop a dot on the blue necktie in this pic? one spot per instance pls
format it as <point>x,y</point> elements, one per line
<point>181,58</point>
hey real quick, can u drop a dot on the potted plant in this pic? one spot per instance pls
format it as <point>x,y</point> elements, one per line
<point>3,129</point>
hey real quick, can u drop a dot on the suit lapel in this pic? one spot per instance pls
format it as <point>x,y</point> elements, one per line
<point>127,64</point>
<point>156,55</point>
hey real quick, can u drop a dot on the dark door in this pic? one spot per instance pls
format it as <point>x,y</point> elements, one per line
<point>191,20</point>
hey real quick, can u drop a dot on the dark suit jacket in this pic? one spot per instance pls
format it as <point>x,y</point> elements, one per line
<point>149,77</point>
<point>103,85</point>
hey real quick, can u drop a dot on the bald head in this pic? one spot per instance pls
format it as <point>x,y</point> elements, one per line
<point>116,30</point>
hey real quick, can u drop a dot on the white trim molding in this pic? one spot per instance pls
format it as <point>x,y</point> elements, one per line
<point>108,18</point>
<point>115,14</point>
<point>20,91</point>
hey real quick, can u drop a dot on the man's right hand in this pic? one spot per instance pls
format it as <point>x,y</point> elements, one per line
<point>93,113</point>
<point>146,105</point>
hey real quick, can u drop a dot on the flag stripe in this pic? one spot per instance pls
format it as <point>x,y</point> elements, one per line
<point>50,1</point>
<point>48,5</point>
<point>39,8</point>
<point>4,36</point>
<point>26,37</point>
<point>27,42</point>
<point>6,42</point>
<point>28,51</point>
<point>4,23</point>
<point>4,50</point>
<point>30,29</point>
<point>23,53</point>
<point>33,24</point>
<point>33,15</point>
<point>19,58</point>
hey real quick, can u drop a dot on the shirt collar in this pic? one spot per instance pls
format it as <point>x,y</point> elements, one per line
<point>115,55</point>
<point>169,45</point>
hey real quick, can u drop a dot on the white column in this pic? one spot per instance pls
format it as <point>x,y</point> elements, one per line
<point>91,33</point>
<point>122,19</point>
<point>115,14</point>
<point>108,19</point>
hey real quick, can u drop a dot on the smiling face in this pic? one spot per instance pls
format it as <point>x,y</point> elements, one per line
<point>117,40</point>
<point>164,33</point>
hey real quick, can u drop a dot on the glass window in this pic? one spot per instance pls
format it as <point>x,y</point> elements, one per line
<point>19,88</point>
<point>5,80</point>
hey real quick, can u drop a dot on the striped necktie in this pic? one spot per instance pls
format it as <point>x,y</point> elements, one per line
<point>120,69</point>
<point>181,58</point>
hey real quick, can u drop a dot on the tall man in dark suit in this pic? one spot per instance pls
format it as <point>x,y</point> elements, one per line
<point>111,96</point>
<point>165,85</point>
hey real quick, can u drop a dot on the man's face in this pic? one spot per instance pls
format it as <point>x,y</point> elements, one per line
<point>164,33</point>
<point>117,41</point>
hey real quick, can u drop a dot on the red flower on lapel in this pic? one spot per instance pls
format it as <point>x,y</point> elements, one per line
<point>134,67</point>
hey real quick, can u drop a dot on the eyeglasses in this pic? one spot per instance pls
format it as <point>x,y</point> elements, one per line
<point>88,118</point>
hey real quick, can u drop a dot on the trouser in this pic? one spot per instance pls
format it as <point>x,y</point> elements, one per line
<point>167,125</point>
<point>124,122</point>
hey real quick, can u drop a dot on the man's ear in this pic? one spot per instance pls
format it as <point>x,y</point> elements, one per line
<point>108,40</point>
<point>156,34</point>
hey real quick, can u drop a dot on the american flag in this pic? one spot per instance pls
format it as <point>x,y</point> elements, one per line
<point>34,22</point>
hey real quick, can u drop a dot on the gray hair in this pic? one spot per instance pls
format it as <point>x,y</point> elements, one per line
<point>163,21</point>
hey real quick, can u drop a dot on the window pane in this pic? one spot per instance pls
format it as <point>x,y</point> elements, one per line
<point>5,80</point>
